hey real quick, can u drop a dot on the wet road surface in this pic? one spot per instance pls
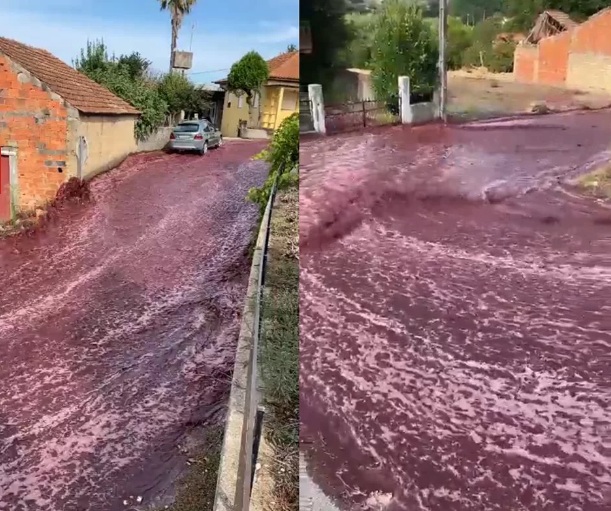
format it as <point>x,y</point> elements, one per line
<point>118,324</point>
<point>456,317</point>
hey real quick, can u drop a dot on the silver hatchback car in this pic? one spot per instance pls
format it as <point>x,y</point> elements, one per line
<point>195,136</point>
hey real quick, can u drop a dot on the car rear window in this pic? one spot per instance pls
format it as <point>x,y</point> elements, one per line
<point>187,127</point>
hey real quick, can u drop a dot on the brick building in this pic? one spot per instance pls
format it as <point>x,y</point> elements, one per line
<point>55,123</point>
<point>559,51</point>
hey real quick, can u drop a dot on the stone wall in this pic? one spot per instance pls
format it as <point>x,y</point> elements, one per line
<point>156,142</point>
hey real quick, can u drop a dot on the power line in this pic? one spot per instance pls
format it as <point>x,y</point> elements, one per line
<point>208,72</point>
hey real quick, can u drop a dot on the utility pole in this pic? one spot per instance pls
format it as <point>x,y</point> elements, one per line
<point>443,71</point>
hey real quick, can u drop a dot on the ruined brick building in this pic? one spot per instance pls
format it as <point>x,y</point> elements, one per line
<point>55,123</point>
<point>560,51</point>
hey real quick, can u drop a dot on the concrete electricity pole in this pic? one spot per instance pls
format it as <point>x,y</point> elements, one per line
<point>443,71</point>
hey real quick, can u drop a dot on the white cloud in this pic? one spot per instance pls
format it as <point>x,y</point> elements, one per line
<point>65,33</point>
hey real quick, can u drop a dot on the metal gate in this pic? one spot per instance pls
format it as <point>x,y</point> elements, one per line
<point>306,124</point>
<point>355,115</point>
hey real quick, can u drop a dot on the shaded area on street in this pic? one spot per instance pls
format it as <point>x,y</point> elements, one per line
<point>456,340</point>
<point>118,325</point>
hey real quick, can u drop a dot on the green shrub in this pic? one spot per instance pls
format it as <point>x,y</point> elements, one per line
<point>475,55</point>
<point>283,157</point>
<point>403,45</point>
<point>500,58</point>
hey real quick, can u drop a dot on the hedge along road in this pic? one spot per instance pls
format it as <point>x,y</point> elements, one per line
<point>118,325</point>
<point>455,317</point>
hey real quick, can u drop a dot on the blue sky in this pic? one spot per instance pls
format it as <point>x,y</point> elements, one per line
<point>224,29</point>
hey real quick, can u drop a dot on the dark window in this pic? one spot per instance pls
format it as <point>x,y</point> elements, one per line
<point>187,127</point>
<point>229,105</point>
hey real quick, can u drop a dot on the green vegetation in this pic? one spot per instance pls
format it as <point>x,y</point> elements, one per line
<point>196,491</point>
<point>598,182</point>
<point>397,23</point>
<point>473,30</point>
<point>130,78</point>
<point>248,75</point>
<point>403,45</point>
<point>522,13</point>
<point>178,9</point>
<point>283,157</point>
<point>280,349</point>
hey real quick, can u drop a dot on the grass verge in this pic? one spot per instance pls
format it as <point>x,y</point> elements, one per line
<point>280,349</point>
<point>196,490</point>
<point>598,182</point>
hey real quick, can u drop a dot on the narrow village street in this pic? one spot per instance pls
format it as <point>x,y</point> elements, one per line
<point>456,318</point>
<point>118,325</point>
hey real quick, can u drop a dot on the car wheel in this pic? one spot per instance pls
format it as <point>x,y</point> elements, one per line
<point>204,149</point>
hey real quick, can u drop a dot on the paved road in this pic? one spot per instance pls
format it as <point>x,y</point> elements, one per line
<point>117,330</point>
<point>456,317</point>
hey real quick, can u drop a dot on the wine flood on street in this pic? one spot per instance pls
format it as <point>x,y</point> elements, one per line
<point>454,313</point>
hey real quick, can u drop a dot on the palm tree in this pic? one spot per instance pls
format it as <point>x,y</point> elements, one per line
<point>178,10</point>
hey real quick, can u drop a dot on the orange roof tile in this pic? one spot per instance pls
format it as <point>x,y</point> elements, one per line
<point>77,89</point>
<point>285,66</point>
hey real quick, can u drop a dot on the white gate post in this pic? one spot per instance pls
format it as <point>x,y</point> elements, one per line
<point>405,107</point>
<point>317,107</point>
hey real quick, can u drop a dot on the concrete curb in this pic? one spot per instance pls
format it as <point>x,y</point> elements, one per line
<point>229,470</point>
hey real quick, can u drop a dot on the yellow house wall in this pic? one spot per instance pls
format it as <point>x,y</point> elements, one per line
<point>266,115</point>
<point>273,114</point>
<point>109,140</point>
<point>232,115</point>
<point>293,94</point>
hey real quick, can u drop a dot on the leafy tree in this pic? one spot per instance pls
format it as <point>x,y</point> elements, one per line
<point>460,38</point>
<point>291,48</point>
<point>180,94</point>
<point>475,11</point>
<point>123,76</point>
<point>330,36</point>
<point>485,32</point>
<point>404,45</point>
<point>524,12</point>
<point>178,9</point>
<point>358,51</point>
<point>248,75</point>
<point>135,64</point>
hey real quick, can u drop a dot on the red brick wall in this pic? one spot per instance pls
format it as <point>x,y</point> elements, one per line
<point>525,63</point>
<point>554,59</point>
<point>594,36</point>
<point>37,125</point>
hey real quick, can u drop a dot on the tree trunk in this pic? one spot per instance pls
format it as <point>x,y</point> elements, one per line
<point>174,41</point>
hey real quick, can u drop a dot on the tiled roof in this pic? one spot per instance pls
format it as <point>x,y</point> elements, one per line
<point>563,18</point>
<point>77,89</point>
<point>282,67</point>
<point>285,66</point>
